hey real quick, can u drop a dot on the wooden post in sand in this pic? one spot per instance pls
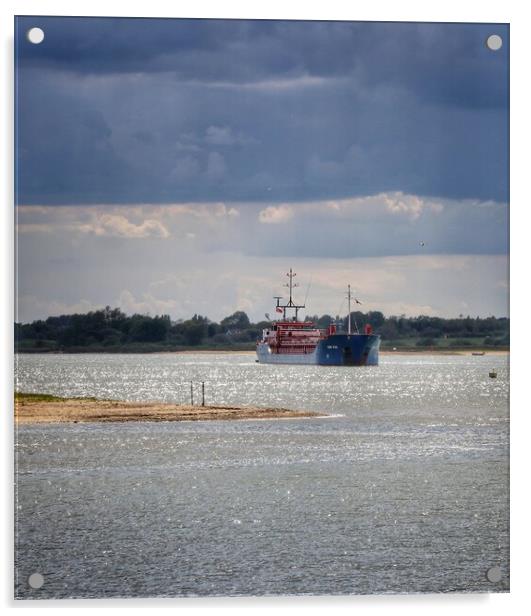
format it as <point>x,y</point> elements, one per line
<point>192,393</point>
<point>203,392</point>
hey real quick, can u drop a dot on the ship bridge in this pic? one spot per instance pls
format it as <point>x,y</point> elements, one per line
<point>289,335</point>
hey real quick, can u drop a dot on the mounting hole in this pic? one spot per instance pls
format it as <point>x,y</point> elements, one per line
<point>35,35</point>
<point>494,42</point>
<point>36,580</point>
<point>494,574</point>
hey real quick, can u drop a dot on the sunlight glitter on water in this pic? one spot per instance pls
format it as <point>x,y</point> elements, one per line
<point>405,490</point>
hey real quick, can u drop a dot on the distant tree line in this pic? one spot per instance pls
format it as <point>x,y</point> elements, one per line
<point>111,329</point>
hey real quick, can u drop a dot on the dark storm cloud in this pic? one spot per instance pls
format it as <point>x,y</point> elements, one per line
<point>437,61</point>
<point>133,110</point>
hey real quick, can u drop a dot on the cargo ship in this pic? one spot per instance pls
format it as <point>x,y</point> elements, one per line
<point>290,341</point>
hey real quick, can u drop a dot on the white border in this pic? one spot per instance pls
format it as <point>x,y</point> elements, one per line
<point>385,10</point>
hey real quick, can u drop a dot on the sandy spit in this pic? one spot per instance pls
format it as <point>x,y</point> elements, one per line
<point>79,410</point>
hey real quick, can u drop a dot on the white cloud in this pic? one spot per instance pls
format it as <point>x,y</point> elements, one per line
<point>276,214</point>
<point>114,221</point>
<point>192,210</point>
<point>126,221</point>
<point>398,204</point>
<point>411,205</point>
<point>117,225</point>
<point>371,207</point>
<point>220,210</point>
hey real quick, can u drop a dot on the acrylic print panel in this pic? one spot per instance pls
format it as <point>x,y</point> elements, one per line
<point>169,174</point>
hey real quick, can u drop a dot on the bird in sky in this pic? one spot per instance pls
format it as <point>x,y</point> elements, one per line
<point>357,300</point>
<point>422,243</point>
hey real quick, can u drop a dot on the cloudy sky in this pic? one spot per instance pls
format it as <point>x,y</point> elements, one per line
<point>182,166</point>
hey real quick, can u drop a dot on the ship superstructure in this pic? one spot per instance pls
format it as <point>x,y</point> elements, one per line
<point>290,341</point>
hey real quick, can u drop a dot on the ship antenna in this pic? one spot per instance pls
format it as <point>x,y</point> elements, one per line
<point>349,295</point>
<point>291,285</point>
<point>291,274</point>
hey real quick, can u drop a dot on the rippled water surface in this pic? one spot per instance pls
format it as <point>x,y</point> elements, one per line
<point>403,488</point>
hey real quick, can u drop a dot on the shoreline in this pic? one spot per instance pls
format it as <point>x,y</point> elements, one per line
<point>399,351</point>
<point>43,408</point>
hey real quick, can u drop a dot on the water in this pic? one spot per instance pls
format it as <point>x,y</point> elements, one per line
<point>404,488</point>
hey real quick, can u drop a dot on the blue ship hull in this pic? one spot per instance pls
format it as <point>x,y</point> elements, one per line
<point>345,350</point>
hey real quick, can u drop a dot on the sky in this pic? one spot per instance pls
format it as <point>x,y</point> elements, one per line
<point>183,166</point>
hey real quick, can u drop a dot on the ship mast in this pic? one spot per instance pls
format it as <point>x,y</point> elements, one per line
<point>349,297</point>
<point>349,324</point>
<point>290,304</point>
<point>291,274</point>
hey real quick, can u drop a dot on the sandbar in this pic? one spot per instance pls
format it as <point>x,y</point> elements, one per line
<point>43,408</point>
